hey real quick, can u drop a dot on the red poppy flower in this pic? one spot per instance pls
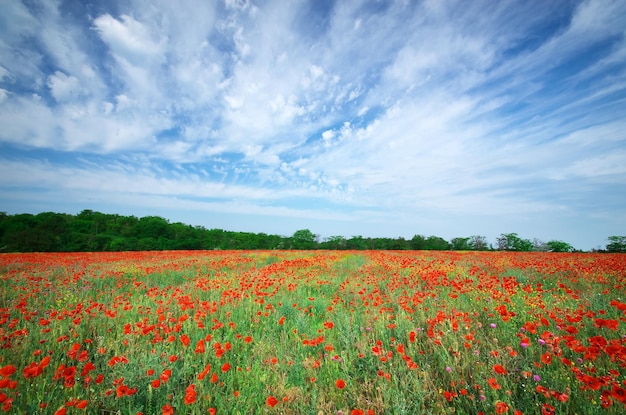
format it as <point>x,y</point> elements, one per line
<point>190,394</point>
<point>184,339</point>
<point>499,369</point>
<point>82,404</point>
<point>166,375</point>
<point>493,383</point>
<point>501,407</point>
<point>7,371</point>
<point>547,409</point>
<point>271,401</point>
<point>340,383</point>
<point>618,394</point>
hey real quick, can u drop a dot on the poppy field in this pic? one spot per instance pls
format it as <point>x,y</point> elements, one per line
<point>312,332</point>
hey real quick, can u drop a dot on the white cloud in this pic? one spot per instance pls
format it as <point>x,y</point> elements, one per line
<point>411,106</point>
<point>130,40</point>
<point>63,87</point>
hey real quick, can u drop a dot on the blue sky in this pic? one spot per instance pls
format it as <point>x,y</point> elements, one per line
<point>373,118</point>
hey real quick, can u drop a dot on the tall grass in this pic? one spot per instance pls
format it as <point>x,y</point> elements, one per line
<point>313,332</point>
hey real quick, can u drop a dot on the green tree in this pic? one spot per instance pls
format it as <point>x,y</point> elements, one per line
<point>334,242</point>
<point>418,242</point>
<point>460,244</point>
<point>436,243</point>
<point>151,227</point>
<point>616,244</point>
<point>559,246</point>
<point>512,242</point>
<point>356,242</point>
<point>478,243</point>
<point>540,246</point>
<point>303,239</point>
<point>398,243</point>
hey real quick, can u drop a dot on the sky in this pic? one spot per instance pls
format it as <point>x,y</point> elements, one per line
<point>372,118</point>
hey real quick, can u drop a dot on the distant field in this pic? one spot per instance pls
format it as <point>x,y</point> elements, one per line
<point>332,332</point>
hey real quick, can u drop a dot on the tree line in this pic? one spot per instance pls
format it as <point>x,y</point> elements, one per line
<point>94,231</point>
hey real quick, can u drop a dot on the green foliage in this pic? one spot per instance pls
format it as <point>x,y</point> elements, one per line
<point>334,242</point>
<point>616,244</point>
<point>478,243</point>
<point>94,231</point>
<point>559,246</point>
<point>436,243</point>
<point>460,244</point>
<point>418,242</point>
<point>512,242</point>
<point>303,239</point>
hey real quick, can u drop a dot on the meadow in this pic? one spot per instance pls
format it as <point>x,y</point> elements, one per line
<point>313,332</point>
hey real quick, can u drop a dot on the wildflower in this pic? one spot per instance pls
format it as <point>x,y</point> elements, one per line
<point>563,397</point>
<point>271,401</point>
<point>501,407</point>
<point>493,383</point>
<point>618,394</point>
<point>167,409</point>
<point>609,324</point>
<point>190,394</point>
<point>7,371</point>
<point>499,369</point>
<point>340,384</point>
<point>165,376</point>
